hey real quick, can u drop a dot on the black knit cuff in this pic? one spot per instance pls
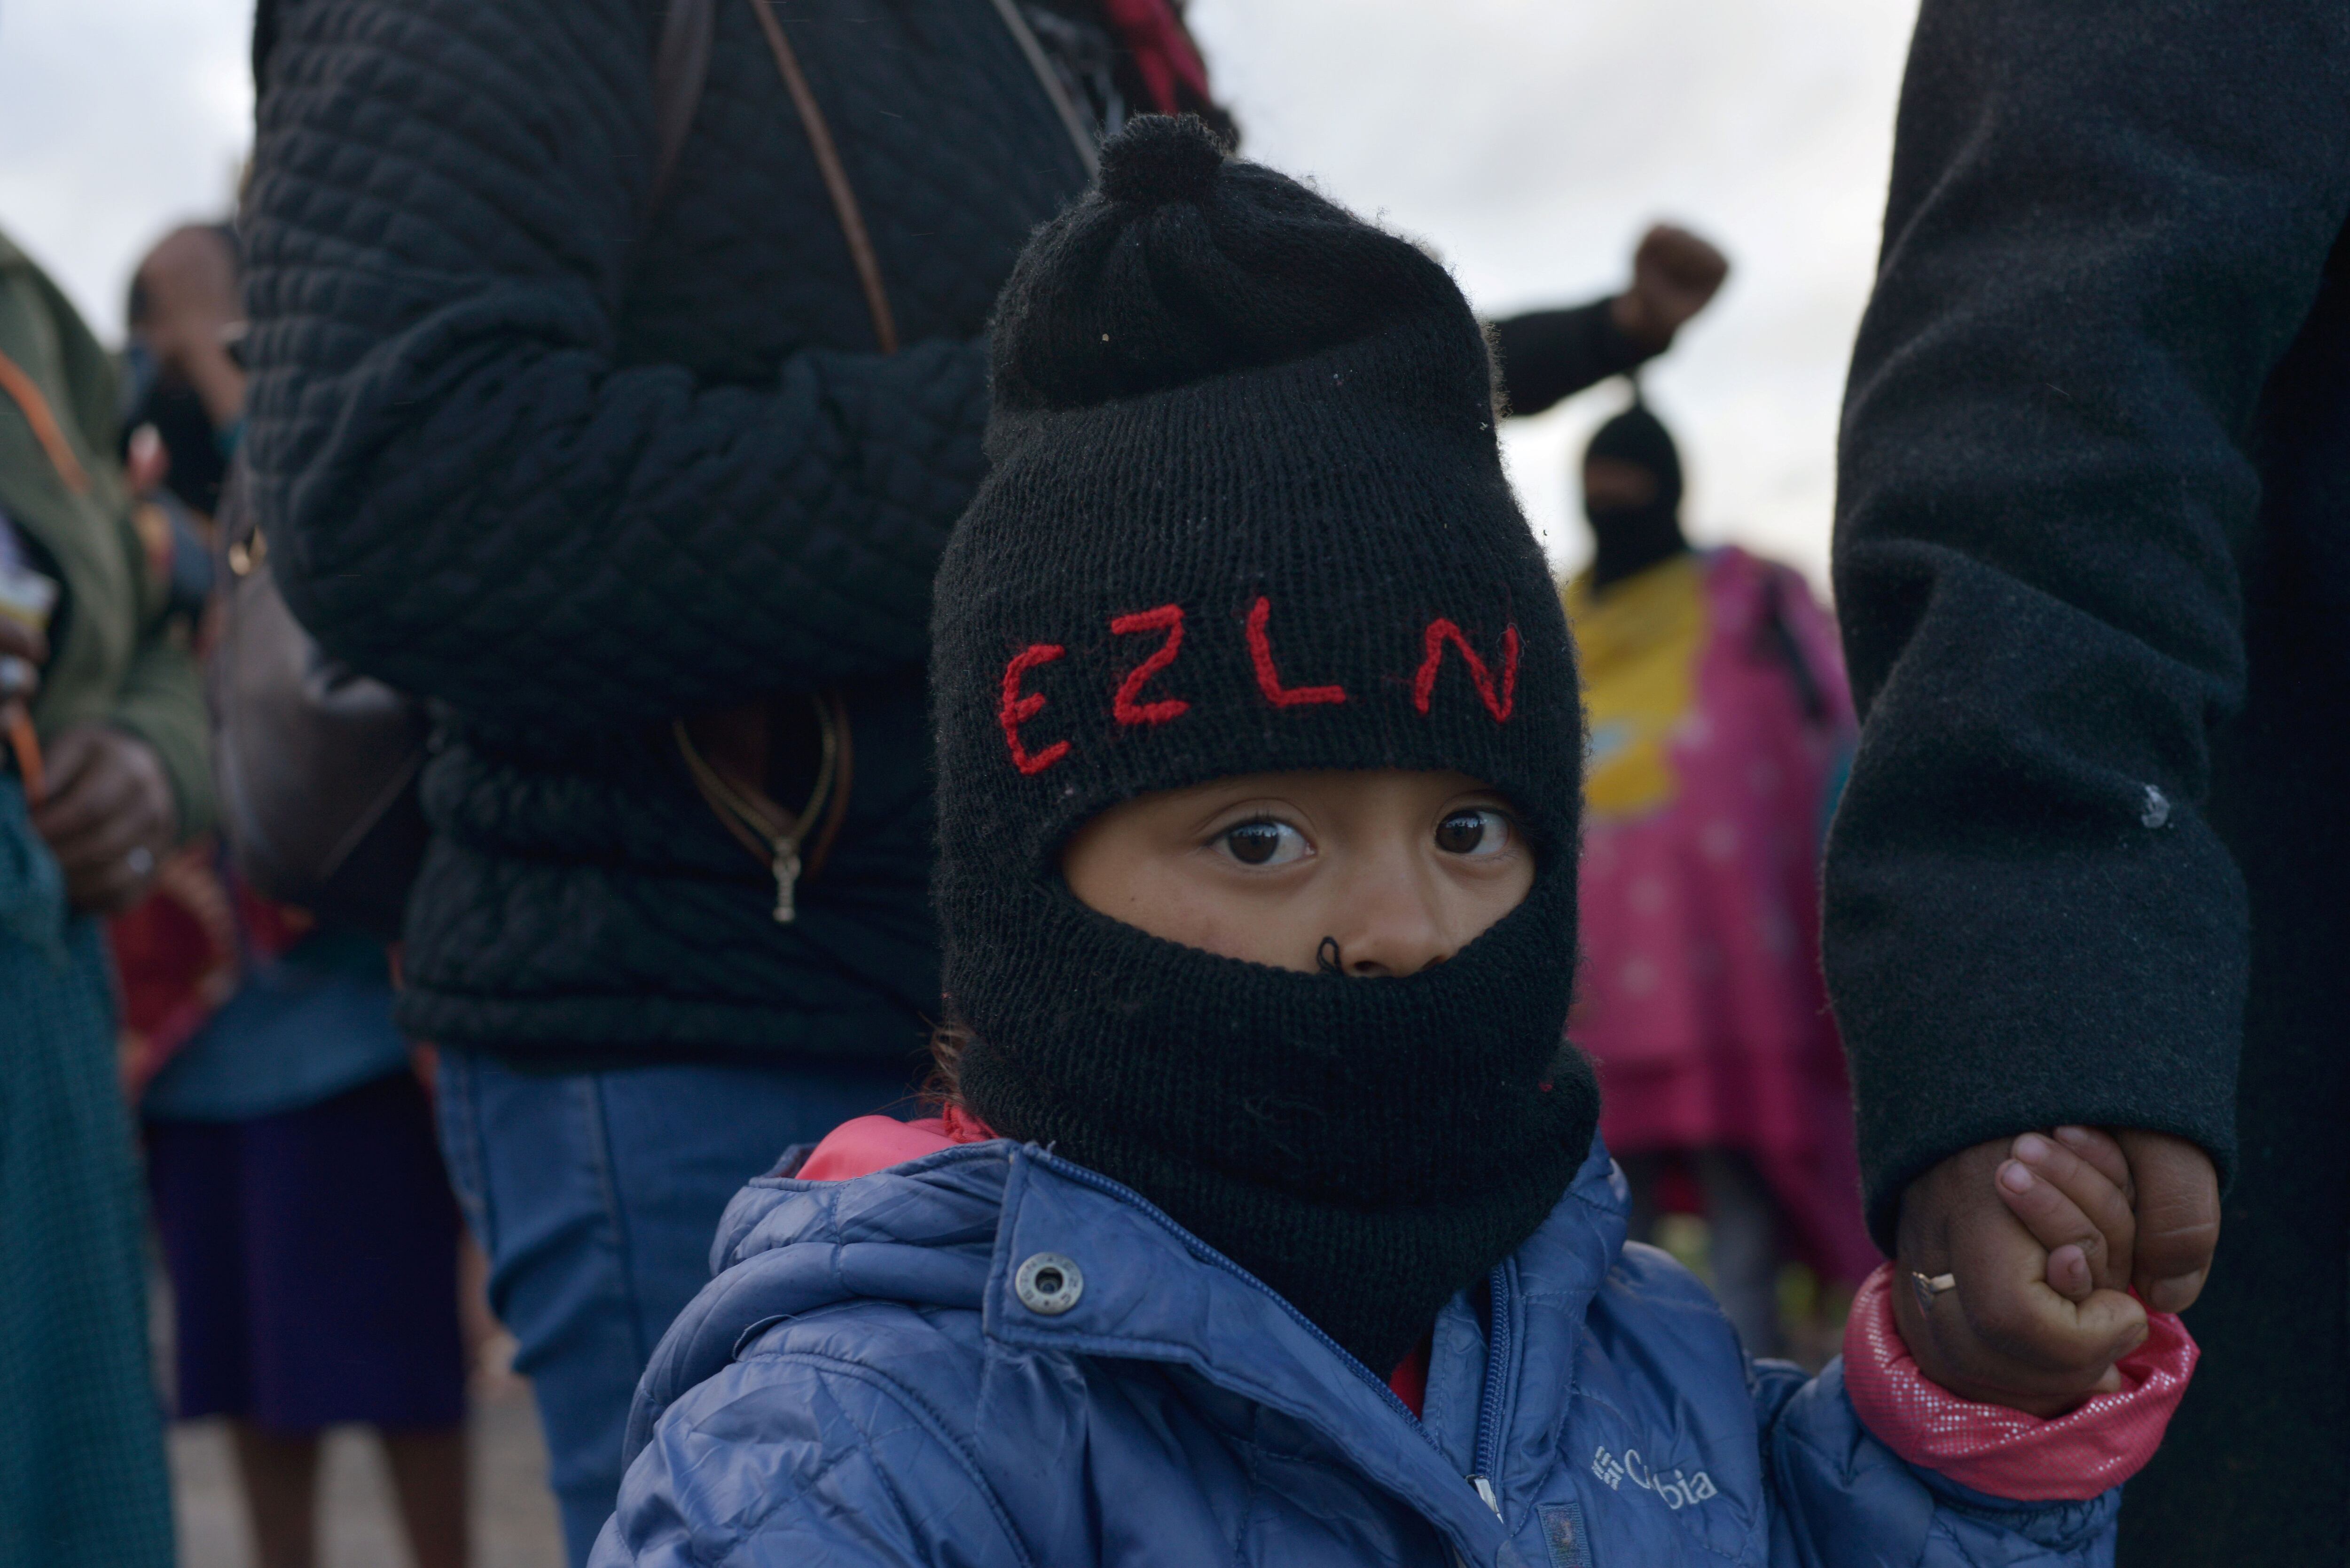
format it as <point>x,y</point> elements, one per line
<point>1983,997</point>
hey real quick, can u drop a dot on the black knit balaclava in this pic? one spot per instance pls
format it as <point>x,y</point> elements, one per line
<point>1628,540</point>
<point>1247,513</point>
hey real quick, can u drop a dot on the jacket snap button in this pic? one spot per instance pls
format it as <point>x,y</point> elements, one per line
<point>1048,1285</point>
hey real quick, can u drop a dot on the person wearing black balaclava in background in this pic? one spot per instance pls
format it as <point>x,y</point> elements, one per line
<point>1719,725</point>
<point>1632,496</point>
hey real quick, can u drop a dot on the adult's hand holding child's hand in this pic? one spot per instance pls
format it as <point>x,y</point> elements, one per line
<point>2178,1207</point>
<point>2041,1234</point>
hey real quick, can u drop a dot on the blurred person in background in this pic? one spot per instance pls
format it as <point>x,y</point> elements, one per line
<point>307,1224</point>
<point>1545,356</point>
<point>644,490</point>
<point>103,772</point>
<point>1719,727</point>
<point>2092,552</point>
<point>186,388</point>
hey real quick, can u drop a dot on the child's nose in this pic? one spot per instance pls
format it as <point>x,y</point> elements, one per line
<point>1392,927</point>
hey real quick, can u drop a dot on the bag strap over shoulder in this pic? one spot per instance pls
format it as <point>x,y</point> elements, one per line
<point>680,65</point>
<point>1080,137</point>
<point>836,177</point>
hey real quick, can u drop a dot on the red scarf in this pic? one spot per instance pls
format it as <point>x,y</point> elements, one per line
<point>1163,52</point>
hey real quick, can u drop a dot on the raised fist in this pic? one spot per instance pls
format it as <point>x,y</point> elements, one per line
<point>1674,276</point>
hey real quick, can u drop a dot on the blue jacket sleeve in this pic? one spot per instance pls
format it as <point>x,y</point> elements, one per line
<point>468,494</point>
<point>796,1458</point>
<point>1840,1499</point>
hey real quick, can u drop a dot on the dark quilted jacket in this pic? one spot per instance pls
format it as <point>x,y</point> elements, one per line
<point>570,483</point>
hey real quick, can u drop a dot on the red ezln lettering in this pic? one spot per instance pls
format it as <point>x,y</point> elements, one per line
<point>1168,618</point>
<point>1268,680</point>
<point>1020,707</point>
<point>1442,631</point>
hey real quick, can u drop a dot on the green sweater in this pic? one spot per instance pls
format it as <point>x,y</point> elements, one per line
<point>117,657</point>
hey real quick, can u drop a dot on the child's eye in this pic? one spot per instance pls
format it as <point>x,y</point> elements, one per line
<point>1476,830</point>
<point>1263,842</point>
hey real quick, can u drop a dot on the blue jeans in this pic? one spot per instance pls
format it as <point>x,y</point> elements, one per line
<point>596,1196</point>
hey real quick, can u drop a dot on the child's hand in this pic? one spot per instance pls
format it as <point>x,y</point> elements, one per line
<point>2037,1313</point>
<point>2074,1193</point>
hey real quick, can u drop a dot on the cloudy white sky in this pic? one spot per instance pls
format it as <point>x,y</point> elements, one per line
<point>1529,141</point>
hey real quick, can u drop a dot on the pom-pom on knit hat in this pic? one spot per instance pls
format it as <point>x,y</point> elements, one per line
<point>1247,514</point>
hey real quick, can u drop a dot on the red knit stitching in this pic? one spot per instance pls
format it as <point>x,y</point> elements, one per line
<point>1168,618</point>
<point>1018,707</point>
<point>1268,680</point>
<point>1442,631</point>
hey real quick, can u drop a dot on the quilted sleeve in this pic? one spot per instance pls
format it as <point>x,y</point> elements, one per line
<point>1840,1499</point>
<point>799,1458</point>
<point>467,497</point>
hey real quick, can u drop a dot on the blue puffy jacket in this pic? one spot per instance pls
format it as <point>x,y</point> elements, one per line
<point>862,1385</point>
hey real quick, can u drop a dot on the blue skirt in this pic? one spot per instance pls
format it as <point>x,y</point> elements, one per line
<point>313,1257</point>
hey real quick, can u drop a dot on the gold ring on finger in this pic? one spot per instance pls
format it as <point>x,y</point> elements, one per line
<point>1928,1288</point>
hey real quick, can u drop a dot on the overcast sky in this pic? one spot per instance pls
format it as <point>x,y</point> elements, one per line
<point>1528,142</point>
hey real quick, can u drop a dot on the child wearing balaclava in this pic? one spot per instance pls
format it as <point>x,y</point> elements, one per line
<point>1265,1220</point>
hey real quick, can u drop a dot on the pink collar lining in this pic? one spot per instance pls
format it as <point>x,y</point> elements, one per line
<point>868,1144</point>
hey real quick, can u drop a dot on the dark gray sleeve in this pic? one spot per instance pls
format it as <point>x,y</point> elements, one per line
<point>468,497</point>
<point>1547,355</point>
<point>2107,221</point>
